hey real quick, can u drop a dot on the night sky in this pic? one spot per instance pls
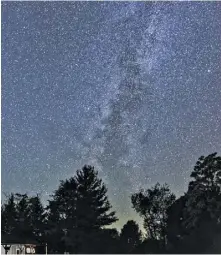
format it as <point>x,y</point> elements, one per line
<point>133,88</point>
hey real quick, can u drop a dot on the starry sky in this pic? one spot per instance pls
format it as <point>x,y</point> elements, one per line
<point>133,88</point>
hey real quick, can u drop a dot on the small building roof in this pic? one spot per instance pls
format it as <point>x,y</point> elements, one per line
<point>9,239</point>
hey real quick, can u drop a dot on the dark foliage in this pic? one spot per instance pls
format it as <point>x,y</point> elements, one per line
<point>23,220</point>
<point>175,230</point>
<point>194,223</point>
<point>78,214</point>
<point>151,246</point>
<point>152,205</point>
<point>130,237</point>
<point>78,211</point>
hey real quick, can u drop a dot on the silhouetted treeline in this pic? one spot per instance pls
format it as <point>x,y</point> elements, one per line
<point>78,217</point>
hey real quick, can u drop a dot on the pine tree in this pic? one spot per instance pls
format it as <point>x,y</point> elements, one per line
<point>92,202</point>
<point>16,218</point>
<point>92,210</point>
<point>9,219</point>
<point>37,218</point>
<point>79,209</point>
<point>24,230</point>
<point>54,228</point>
<point>61,219</point>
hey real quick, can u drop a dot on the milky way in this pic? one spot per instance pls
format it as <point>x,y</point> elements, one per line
<point>131,88</point>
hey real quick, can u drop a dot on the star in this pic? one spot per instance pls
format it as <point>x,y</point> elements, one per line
<point>130,87</point>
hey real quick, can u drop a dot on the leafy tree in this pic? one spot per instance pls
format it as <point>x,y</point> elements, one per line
<point>204,194</point>
<point>130,237</point>
<point>193,224</point>
<point>202,212</point>
<point>79,212</point>
<point>152,205</point>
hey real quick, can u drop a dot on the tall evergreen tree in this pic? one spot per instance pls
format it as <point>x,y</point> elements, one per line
<point>54,230</point>
<point>37,218</point>
<point>93,207</point>
<point>20,216</point>
<point>9,218</point>
<point>79,209</point>
<point>23,212</point>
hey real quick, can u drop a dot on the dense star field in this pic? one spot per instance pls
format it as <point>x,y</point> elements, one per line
<point>131,88</point>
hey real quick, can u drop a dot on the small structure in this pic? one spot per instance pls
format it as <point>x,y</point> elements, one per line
<point>12,245</point>
<point>18,248</point>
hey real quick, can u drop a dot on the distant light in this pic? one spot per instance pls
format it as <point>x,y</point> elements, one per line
<point>28,250</point>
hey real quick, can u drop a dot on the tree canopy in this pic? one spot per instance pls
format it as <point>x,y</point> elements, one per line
<point>78,216</point>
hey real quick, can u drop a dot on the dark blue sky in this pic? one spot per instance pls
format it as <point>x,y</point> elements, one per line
<point>69,96</point>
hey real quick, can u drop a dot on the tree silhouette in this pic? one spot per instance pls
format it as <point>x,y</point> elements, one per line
<point>80,209</point>
<point>92,202</point>
<point>9,218</point>
<point>175,230</point>
<point>22,219</point>
<point>194,219</point>
<point>37,218</point>
<point>107,241</point>
<point>202,211</point>
<point>152,205</point>
<point>54,230</point>
<point>130,237</point>
<point>204,194</point>
<point>151,246</point>
<point>79,212</point>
